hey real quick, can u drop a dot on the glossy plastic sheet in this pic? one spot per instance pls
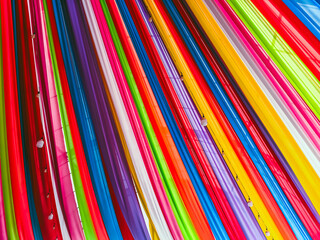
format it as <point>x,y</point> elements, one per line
<point>206,111</point>
<point>274,75</point>
<point>188,136</point>
<point>200,159</point>
<point>228,185</point>
<point>149,119</point>
<point>239,127</point>
<point>263,108</point>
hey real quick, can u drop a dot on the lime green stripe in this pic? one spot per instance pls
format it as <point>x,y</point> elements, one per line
<point>5,168</point>
<point>301,78</point>
<point>86,219</point>
<point>175,200</point>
